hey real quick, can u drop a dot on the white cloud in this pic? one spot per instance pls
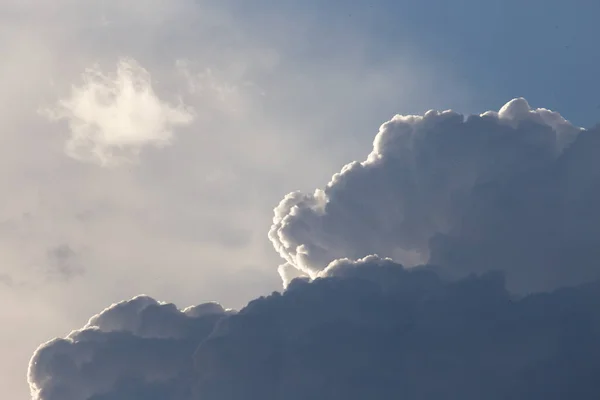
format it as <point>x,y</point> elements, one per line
<point>112,118</point>
<point>494,191</point>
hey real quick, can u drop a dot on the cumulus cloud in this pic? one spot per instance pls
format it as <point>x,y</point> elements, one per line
<point>476,207</point>
<point>112,117</point>
<point>134,349</point>
<point>363,329</point>
<point>514,190</point>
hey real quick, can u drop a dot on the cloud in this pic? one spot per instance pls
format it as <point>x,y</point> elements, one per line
<point>512,190</point>
<point>188,207</point>
<point>140,348</point>
<point>478,207</point>
<point>326,81</point>
<point>111,118</point>
<point>366,328</point>
<point>63,263</point>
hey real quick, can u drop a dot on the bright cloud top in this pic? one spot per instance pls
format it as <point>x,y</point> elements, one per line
<point>489,191</point>
<point>111,118</point>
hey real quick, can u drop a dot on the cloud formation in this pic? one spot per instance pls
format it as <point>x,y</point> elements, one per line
<point>111,118</point>
<point>513,190</point>
<point>202,204</point>
<point>138,348</point>
<point>489,204</point>
<point>364,329</point>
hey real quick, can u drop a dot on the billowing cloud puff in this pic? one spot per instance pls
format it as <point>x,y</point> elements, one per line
<point>364,329</point>
<point>514,190</point>
<point>111,118</point>
<point>135,349</point>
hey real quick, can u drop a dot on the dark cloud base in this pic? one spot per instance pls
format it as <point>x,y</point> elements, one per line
<point>369,329</point>
<point>382,332</point>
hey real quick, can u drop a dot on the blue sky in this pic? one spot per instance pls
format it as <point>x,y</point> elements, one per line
<point>545,51</point>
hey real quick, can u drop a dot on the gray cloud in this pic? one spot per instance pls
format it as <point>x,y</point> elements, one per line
<point>364,329</point>
<point>512,190</point>
<point>64,263</point>
<point>138,343</point>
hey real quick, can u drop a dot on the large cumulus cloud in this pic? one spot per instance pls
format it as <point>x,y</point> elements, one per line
<point>365,329</point>
<point>480,209</point>
<point>514,190</point>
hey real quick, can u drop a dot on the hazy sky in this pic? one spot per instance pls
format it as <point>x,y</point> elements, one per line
<point>146,143</point>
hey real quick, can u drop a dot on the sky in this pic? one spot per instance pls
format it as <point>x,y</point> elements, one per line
<point>147,144</point>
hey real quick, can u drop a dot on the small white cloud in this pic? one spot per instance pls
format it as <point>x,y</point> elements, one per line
<point>111,118</point>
